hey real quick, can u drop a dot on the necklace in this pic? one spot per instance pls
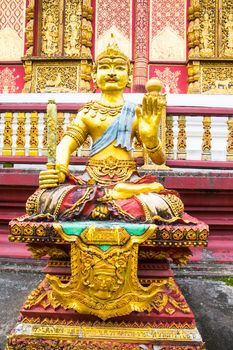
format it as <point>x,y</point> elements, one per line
<point>108,106</point>
<point>104,110</point>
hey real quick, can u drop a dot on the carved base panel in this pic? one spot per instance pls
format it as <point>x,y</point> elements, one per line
<point>44,324</point>
<point>210,77</point>
<point>107,287</point>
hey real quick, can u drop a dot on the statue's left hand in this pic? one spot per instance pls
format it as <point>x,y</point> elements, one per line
<point>149,117</point>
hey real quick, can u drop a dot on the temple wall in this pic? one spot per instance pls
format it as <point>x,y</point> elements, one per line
<point>12,30</point>
<point>152,33</point>
<point>188,44</point>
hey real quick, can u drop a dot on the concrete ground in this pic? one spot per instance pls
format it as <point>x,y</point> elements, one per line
<point>210,299</point>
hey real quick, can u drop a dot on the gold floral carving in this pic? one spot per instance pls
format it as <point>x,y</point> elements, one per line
<point>85,75</point>
<point>230,139</point>
<point>52,77</point>
<point>169,137</point>
<point>20,141</point>
<point>206,139</point>
<point>29,28</point>
<point>87,32</point>
<point>194,75</point>
<point>217,78</point>
<point>8,132</point>
<point>181,145</point>
<point>38,251</point>
<point>194,28</point>
<point>179,256</point>
<point>28,76</point>
<point>117,170</point>
<point>33,143</point>
<point>168,300</point>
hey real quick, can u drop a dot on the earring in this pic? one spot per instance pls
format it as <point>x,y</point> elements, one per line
<point>129,83</point>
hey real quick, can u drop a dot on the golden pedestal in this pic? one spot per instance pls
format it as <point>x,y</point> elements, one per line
<point>107,286</point>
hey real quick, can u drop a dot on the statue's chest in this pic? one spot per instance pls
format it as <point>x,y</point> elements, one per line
<point>99,123</point>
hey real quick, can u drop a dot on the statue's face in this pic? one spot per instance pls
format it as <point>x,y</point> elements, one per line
<point>112,74</point>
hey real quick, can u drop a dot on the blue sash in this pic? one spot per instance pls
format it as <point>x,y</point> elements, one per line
<point>120,130</point>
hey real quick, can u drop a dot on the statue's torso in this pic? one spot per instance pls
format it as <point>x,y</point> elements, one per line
<point>96,123</point>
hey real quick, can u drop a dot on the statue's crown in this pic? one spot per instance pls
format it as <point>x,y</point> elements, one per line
<point>113,51</point>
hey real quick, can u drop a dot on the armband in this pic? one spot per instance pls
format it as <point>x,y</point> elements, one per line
<point>76,133</point>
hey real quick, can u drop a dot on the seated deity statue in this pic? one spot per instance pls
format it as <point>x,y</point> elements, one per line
<point>110,187</point>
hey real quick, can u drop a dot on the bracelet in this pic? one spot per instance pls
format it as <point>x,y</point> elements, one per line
<point>156,148</point>
<point>63,169</point>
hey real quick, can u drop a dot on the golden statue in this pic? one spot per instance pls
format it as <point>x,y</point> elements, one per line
<point>110,188</point>
<point>100,258</point>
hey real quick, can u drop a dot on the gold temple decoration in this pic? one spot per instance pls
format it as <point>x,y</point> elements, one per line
<point>226,23</point>
<point>206,139</point>
<point>28,76</point>
<point>117,170</point>
<point>20,141</point>
<point>8,132</point>
<point>217,78</point>
<point>59,58</point>
<point>166,302</point>
<point>38,251</point>
<point>179,256</point>
<point>210,42</point>
<point>104,282</point>
<point>55,77</point>
<point>33,147</point>
<point>50,27</point>
<point>207,35</point>
<point>29,27</point>
<point>169,137</point>
<point>73,30</point>
<point>181,145</point>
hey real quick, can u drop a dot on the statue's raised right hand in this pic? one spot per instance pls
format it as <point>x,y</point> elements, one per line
<point>51,177</point>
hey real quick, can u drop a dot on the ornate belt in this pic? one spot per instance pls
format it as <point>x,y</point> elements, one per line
<point>110,170</point>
